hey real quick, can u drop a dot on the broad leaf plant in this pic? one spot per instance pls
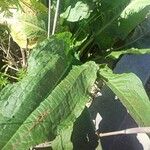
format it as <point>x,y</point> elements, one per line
<point>90,36</point>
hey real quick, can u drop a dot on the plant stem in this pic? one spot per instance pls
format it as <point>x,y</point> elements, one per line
<point>91,39</point>
<point>127,131</point>
<point>49,19</point>
<point>23,57</point>
<point>56,16</point>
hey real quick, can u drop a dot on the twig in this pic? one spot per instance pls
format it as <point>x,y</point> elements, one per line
<point>23,53</point>
<point>23,57</point>
<point>12,68</point>
<point>9,43</point>
<point>49,19</point>
<point>46,145</point>
<point>56,16</point>
<point>9,76</point>
<point>126,131</point>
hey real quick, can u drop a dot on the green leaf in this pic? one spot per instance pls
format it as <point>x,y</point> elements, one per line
<point>6,4</point>
<point>33,6</point>
<point>63,139</point>
<point>129,89</point>
<point>117,19</point>
<point>28,25</point>
<point>46,67</point>
<point>117,54</point>
<point>30,29</point>
<point>78,12</point>
<point>99,147</point>
<point>140,4</point>
<point>133,16</point>
<point>58,111</point>
<point>105,27</point>
<point>3,81</point>
<point>141,35</point>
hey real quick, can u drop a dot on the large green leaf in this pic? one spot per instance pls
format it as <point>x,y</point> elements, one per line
<point>124,22</point>
<point>133,16</point>
<point>117,54</point>
<point>58,111</point>
<point>105,28</point>
<point>130,91</point>
<point>47,64</point>
<point>103,22</point>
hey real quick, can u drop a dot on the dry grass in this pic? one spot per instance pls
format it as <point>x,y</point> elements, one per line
<point>12,57</point>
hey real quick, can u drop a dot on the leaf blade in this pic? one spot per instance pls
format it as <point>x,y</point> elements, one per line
<point>133,96</point>
<point>47,65</point>
<point>63,104</point>
<point>117,54</point>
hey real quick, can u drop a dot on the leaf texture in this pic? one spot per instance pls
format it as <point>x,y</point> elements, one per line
<point>129,89</point>
<point>79,12</point>
<point>117,19</point>
<point>30,29</point>
<point>58,111</point>
<point>141,35</point>
<point>47,65</point>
